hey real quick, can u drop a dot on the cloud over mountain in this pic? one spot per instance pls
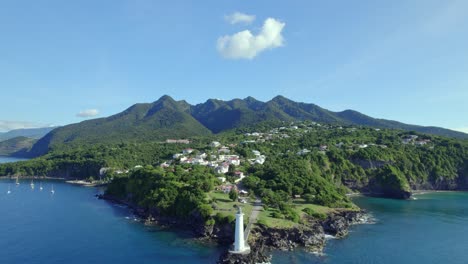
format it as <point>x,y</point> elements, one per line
<point>245,45</point>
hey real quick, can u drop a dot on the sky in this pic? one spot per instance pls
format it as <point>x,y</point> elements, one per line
<point>64,62</point>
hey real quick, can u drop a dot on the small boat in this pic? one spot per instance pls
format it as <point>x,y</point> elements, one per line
<point>32,184</point>
<point>52,191</point>
<point>40,186</point>
<point>17,180</point>
<point>9,191</point>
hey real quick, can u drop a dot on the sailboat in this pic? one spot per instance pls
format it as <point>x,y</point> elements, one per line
<point>32,184</point>
<point>40,186</point>
<point>17,180</point>
<point>9,191</point>
<point>52,191</point>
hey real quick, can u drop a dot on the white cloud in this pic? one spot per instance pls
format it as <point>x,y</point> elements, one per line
<point>88,113</point>
<point>245,45</point>
<point>12,125</point>
<point>238,17</point>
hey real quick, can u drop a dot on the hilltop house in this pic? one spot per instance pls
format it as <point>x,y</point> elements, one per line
<point>187,151</point>
<point>215,144</point>
<point>222,169</point>
<point>303,152</point>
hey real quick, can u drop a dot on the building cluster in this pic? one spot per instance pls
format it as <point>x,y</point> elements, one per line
<point>414,139</point>
<point>177,141</point>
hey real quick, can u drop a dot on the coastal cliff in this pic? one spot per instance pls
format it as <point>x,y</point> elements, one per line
<point>310,236</point>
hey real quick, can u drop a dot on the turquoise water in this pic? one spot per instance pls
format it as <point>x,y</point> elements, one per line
<point>431,229</point>
<point>72,226</point>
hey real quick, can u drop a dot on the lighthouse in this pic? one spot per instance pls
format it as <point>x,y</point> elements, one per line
<point>240,246</point>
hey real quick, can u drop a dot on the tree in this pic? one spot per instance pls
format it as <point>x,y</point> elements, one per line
<point>233,195</point>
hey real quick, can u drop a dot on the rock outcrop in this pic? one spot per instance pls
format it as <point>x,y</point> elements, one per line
<point>310,236</point>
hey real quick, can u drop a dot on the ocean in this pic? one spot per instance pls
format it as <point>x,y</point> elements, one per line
<point>72,226</point>
<point>433,228</point>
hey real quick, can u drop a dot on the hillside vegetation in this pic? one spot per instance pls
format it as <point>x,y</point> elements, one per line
<point>167,118</point>
<point>291,167</point>
<point>17,145</point>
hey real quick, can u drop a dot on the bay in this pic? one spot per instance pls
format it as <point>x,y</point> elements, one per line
<point>433,228</point>
<point>72,226</point>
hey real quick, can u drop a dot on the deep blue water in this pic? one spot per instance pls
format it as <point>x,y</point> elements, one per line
<point>72,226</point>
<point>431,229</point>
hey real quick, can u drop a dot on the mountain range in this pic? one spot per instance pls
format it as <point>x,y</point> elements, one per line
<point>168,118</point>
<point>34,133</point>
<point>18,146</point>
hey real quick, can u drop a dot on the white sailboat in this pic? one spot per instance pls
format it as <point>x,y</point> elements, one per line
<point>40,186</point>
<point>9,190</point>
<point>52,191</point>
<point>32,184</point>
<point>17,180</point>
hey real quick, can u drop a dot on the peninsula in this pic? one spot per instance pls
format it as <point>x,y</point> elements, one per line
<point>292,176</point>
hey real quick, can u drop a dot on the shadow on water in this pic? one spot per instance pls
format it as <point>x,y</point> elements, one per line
<point>182,238</point>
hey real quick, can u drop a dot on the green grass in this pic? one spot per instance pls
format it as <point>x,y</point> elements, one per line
<point>225,205</point>
<point>266,217</point>
<point>300,205</point>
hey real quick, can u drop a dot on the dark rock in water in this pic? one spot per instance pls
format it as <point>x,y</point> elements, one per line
<point>311,237</point>
<point>256,255</point>
<point>337,224</point>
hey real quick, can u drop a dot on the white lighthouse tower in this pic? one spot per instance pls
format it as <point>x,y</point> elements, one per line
<point>240,246</point>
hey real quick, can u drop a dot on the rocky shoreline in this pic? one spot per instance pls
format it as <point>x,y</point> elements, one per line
<point>310,235</point>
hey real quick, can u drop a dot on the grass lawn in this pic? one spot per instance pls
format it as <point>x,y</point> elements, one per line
<point>225,205</point>
<point>298,205</point>
<point>265,217</point>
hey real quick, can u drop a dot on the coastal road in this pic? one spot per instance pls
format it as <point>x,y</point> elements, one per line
<point>257,208</point>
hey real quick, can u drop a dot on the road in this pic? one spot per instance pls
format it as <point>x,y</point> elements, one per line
<point>257,208</point>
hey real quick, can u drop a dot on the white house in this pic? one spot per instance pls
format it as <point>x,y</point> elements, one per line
<point>187,151</point>
<point>201,156</point>
<point>215,144</point>
<point>164,164</point>
<point>222,179</point>
<point>222,169</point>
<point>234,161</point>
<point>212,164</point>
<point>177,155</point>
<point>224,150</point>
<point>303,152</point>
<point>260,159</point>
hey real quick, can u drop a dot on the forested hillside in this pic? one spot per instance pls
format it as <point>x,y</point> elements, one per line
<point>167,118</point>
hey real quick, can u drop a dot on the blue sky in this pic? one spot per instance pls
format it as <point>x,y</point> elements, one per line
<point>64,61</point>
